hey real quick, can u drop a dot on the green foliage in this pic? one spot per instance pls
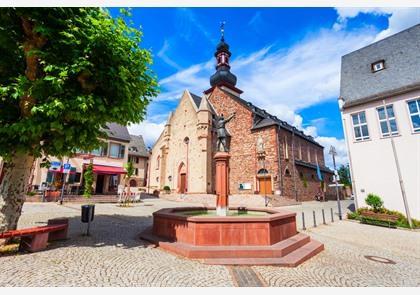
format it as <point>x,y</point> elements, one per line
<point>375,221</point>
<point>32,193</point>
<point>88,181</point>
<point>166,188</point>
<point>129,168</point>
<point>344,174</point>
<point>401,222</point>
<point>375,202</point>
<point>90,70</point>
<point>353,215</point>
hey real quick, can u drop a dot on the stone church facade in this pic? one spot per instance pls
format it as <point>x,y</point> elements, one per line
<point>268,156</point>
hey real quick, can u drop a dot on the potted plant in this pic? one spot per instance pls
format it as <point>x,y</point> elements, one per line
<point>88,210</point>
<point>167,189</point>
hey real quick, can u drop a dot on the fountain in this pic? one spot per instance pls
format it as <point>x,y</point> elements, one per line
<point>231,236</point>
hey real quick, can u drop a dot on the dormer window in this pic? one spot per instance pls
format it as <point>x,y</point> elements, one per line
<point>378,66</point>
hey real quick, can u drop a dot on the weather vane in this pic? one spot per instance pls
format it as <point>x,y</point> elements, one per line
<point>222,29</point>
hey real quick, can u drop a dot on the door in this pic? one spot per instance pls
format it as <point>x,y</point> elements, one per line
<point>265,186</point>
<point>99,189</point>
<point>183,183</point>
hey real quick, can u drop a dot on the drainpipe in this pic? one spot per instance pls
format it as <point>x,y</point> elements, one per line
<point>280,174</point>
<point>294,164</point>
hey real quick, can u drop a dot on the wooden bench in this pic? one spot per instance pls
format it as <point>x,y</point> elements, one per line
<point>368,215</point>
<point>36,238</point>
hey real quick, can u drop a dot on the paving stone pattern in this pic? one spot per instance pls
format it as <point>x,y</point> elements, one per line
<point>115,256</point>
<point>244,276</point>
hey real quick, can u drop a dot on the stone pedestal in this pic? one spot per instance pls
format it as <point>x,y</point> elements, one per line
<point>222,183</point>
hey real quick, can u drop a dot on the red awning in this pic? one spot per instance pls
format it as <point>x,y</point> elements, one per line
<point>101,169</point>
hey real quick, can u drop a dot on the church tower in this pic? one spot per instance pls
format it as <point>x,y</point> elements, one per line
<point>223,77</point>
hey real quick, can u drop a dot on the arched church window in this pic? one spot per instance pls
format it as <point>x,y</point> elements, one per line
<point>287,172</point>
<point>186,140</point>
<point>157,162</point>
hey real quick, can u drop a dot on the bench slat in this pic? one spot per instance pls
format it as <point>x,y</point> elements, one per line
<point>32,231</point>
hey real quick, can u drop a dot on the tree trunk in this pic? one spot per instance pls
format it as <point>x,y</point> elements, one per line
<point>12,190</point>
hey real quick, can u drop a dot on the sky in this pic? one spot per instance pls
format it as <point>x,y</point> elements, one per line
<point>287,60</point>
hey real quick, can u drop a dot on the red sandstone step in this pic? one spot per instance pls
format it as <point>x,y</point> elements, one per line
<point>280,249</point>
<point>291,260</point>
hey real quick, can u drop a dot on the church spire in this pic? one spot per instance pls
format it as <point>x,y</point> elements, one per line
<point>222,54</point>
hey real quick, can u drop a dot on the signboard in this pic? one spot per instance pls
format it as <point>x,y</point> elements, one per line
<point>55,165</point>
<point>246,185</point>
<point>333,185</point>
<point>66,168</point>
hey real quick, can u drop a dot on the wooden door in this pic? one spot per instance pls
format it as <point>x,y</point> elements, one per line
<point>183,183</point>
<point>265,186</point>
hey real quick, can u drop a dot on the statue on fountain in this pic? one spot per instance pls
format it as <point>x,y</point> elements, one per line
<point>222,135</point>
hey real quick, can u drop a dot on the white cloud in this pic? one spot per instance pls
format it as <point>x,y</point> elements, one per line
<point>398,18</point>
<point>163,55</point>
<point>340,147</point>
<point>149,130</point>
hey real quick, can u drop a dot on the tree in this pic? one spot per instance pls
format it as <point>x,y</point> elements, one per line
<point>64,73</point>
<point>344,174</point>
<point>88,181</point>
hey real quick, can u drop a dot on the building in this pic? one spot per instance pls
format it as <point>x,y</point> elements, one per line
<point>108,164</point>
<point>268,156</point>
<point>138,155</point>
<point>385,74</point>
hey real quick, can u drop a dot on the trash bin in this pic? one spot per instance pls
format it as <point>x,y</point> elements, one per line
<point>88,212</point>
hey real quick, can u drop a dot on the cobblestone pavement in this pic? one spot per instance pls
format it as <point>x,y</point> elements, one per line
<point>114,256</point>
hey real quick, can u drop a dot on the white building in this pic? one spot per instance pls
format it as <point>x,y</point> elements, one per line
<point>384,73</point>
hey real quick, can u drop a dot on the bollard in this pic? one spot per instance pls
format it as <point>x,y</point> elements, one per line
<point>303,221</point>
<point>313,212</point>
<point>332,215</point>
<point>323,216</point>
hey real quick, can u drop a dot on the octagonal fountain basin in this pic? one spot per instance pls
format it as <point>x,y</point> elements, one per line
<point>252,236</point>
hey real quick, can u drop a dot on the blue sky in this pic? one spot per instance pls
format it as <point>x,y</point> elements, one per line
<point>287,60</point>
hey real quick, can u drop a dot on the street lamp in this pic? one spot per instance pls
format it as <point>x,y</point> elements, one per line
<point>333,152</point>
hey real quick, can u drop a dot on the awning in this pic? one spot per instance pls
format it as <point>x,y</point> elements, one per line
<point>102,169</point>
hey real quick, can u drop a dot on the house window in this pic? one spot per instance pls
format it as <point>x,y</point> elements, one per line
<point>157,163</point>
<point>390,115</point>
<point>378,66</point>
<point>116,150</point>
<point>77,177</point>
<point>360,126</point>
<point>414,109</point>
<point>136,172</point>
<point>101,151</point>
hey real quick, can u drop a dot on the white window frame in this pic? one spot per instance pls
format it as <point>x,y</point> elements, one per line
<point>387,118</point>
<point>379,62</point>
<point>417,99</point>
<point>362,138</point>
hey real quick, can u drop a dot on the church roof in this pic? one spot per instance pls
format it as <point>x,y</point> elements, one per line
<point>264,119</point>
<point>196,99</point>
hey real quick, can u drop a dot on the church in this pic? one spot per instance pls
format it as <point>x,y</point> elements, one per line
<point>267,155</point>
